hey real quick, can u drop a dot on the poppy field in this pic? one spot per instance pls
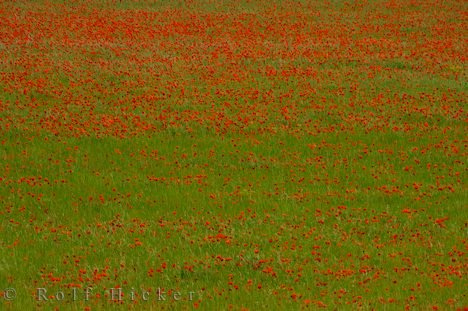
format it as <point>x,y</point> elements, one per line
<point>233,155</point>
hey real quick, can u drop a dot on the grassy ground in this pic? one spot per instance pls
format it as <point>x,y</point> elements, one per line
<point>233,155</point>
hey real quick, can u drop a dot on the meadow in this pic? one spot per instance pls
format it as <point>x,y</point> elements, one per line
<point>233,155</point>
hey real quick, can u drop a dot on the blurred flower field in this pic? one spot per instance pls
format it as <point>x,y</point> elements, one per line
<point>233,155</point>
